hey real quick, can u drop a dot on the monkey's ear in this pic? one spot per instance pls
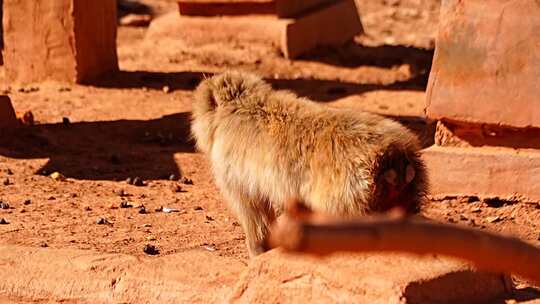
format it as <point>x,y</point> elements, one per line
<point>204,98</point>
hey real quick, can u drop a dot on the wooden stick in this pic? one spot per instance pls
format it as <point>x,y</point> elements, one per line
<point>322,235</point>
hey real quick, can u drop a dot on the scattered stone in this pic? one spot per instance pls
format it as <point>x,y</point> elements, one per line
<point>210,248</point>
<point>125,204</point>
<point>451,220</point>
<point>142,210</point>
<point>102,221</point>
<point>166,89</point>
<point>43,245</point>
<point>87,208</point>
<point>169,210</point>
<point>57,176</point>
<point>23,210</point>
<point>135,20</point>
<point>27,202</point>
<point>147,225</point>
<point>9,172</point>
<point>4,205</point>
<point>150,249</point>
<point>197,208</point>
<point>150,238</point>
<point>173,177</point>
<point>209,218</point>
<point>186,181</point>
<point>236,224</point>
<point>494,219</point>
<point>129,180</point>
<point>159,209</point>
<point>64,89</point>
<point>66,121</point>
<point>175,188</point>
<point>137,181</point>
<point>3,221</point>
<point>6,182</point>
<point>28,90</point>
<point>51,198</point>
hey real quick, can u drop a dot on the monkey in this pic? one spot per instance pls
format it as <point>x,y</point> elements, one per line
<point>267,146</point>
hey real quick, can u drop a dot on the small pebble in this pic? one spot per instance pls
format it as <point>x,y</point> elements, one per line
<point>236,224</point>
<point>462,217</point>
<point>209,218</point>
<point>197,208</point>
<point>147,225</point>
<point>142,210</point>
<point>121,193</point>
<point>129,180</point>
<point>150,249</point>
<point>44,245</point>
<point>87,208</point>
<point>173,177</point>
<point>57,176</point>
<point>169,210</point>
<point>493,219</point>
<point>476,210</point>
<point>64,89</point>
<point>187,181</point>
<point>4,205</point>
<point>210,248</point>
<point>166,89</point>
<point>23,210</point>
<point>150,238</point>
<point>9,172</point>
<point>51,198</point>
<point>125,204</point>
<point>6,182</point>
<point>175,188</point>
<point>66,121</point>
<point>137,181</point>
<point>27,202</point>
<point>102,221</point>
<point>159,209</point>
<point>3,221</point>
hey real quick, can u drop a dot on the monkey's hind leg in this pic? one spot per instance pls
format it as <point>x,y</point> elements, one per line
<point>255,216</point>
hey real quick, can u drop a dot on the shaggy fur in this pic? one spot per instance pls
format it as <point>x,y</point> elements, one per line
<point>268,146</point>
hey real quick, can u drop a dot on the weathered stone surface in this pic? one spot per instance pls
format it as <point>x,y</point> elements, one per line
<point>63,40</point>
<point>390,278</point>
<point>8,119</point>
<point>459,134</point>
<point>486,172</point>
<point>486,67</point>
<point>329,25</point>
<point>189,277</point>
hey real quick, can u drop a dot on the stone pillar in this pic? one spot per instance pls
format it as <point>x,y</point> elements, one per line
<point>62,40</point>
<point>484,91</point>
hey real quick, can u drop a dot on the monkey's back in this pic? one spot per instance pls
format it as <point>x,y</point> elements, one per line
<point>279,146</point>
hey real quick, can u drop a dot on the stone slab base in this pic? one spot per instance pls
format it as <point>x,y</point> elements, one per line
<point>198,276</point>
<point>331,25</point>
<point>486,172</point>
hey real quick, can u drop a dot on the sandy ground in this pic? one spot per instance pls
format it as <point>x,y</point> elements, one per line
<point>136,124</point>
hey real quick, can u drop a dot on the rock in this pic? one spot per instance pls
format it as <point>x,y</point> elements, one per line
<point>4,205</point>
<point>198,208</point>
<point>27,202</point>
<point>275,277</point>
<point>57,176</point>
<point>137,181</point>
<point>6,182</point>
<point>125,204</point>
<point>150,249</point>
<point>66,121</point>
<point>142,210</point>
<point>102,221</point>
<point>135,20</point>
<point>3,221</point>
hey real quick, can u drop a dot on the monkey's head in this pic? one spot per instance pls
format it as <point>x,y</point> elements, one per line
<point>221,95</point>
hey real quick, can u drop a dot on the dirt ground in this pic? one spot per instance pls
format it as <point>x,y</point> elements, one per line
<point>136,124</point>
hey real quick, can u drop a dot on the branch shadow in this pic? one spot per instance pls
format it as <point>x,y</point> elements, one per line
<point>104,150</point>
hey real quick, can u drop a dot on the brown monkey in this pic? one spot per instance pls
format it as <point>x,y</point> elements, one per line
<point>268,146</point>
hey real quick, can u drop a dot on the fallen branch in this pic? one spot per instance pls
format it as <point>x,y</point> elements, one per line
<point>304,232</point>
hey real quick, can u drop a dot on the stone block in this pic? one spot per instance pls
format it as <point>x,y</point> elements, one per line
<point>8,119</point>
<point>330,25</point>
<point>61,40</point>
<point>365,278</point>
<point>486,67</point>
<point>486,172</point>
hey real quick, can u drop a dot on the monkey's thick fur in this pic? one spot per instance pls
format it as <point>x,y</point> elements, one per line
<point>268,146</point>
